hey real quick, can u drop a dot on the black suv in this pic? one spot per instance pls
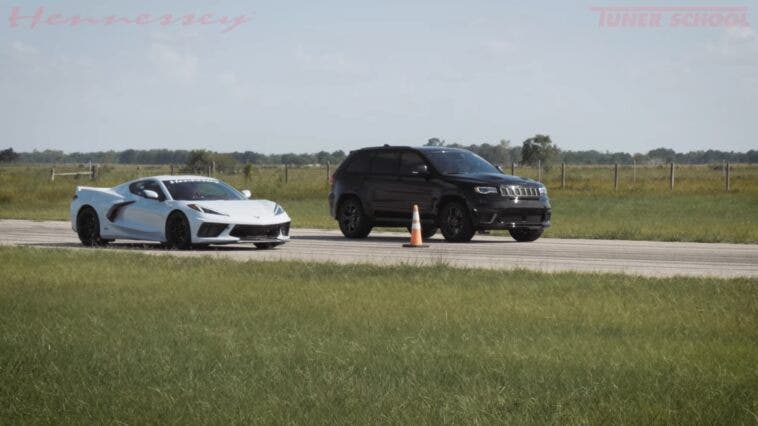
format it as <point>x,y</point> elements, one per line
<point>456,191</point>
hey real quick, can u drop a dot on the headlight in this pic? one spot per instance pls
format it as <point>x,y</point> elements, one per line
<point>205,210</point>
<point>278,210</point>
<point>543,190</point>
<point>485,189</point>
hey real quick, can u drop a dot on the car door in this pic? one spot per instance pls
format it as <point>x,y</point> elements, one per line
<point>144,217</point>
<point>381,183</point>
<point>413,187</point>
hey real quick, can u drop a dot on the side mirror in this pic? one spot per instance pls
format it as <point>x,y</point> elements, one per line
<point>150,194</point>
<point>420,170</point>
<point>247,193</point>
<point>501,170</point>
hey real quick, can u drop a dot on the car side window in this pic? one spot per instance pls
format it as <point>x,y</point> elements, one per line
<point>359,163</point>
<point>384,163</point>
<point>408,162</point>
<point>138,188</point>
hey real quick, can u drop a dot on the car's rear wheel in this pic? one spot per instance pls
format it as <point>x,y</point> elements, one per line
<point>455,223</point>
<point>526,235</point>
<point>353,222</point>
<point>178,233</point>
<point>88,228</point>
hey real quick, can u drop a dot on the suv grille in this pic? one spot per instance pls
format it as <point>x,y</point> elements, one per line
<point>519,191</point>
<point>260,232</point>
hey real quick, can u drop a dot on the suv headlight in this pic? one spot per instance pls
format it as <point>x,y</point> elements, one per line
<point>543,190</point>
<point>278,210</point>
<point>485,190</point>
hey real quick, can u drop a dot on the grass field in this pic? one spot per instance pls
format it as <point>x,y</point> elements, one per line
<point>103,337</point>
<point>643,208</point>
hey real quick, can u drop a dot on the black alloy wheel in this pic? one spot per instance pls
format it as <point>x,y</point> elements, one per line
<point>178,232</point>
<point>353,223</point>
<point>455,223</point>
<point>88,228</point>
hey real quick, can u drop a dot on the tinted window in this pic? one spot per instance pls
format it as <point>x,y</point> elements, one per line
<point>409,161</point>
<point>359,162</point>
<point>384,163</point>
<point>187,190</point>
<point>138,188</point>
<point>460,162</point>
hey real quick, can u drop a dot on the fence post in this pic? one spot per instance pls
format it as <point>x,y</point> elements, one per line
<point>139,174</point>
<point>513,168</point>
<point>634,171</point>
<point>539,170</point>
<point>563,175</point>
<point>52,174</point>
<point>93,171</point>
<point>615,176</point>
<point>327,171</point>
<point>171,170</point>
<point>671,177</point>
<point>214,168</point>
<point>727,176</point>
<point>286,173</point>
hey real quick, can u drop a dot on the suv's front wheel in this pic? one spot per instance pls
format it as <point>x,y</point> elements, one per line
<point>455,222</point>
<point>526,235</point>
<point>353,222</point>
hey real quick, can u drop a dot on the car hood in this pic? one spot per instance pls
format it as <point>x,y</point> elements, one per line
<point>239,208</point>
<point>493,179</point>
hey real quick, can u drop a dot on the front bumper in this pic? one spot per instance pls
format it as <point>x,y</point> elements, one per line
<point>230,233</point>
<point>506,213</point>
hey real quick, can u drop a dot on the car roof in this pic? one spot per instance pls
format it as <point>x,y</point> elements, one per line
<point>412,148</point>
<point>176,177</point>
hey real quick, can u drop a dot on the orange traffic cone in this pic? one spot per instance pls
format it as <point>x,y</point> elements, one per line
<point>415,230</point>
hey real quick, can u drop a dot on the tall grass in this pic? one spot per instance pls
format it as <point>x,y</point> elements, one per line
<point>104,337</point>
<point>698,209</point>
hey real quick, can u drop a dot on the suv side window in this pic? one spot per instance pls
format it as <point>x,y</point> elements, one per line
<point>138,188</point>
<point>384,163</point>
<point>359,163</point>
<point>408,161</point>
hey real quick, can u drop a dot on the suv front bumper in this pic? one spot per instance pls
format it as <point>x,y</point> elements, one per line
<point>506,213</point>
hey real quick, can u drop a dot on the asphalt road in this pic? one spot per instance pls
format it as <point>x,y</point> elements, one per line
<point>491,252</point>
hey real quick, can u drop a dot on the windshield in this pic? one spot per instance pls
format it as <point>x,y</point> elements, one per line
<point>187,190</point>
<point>460,163</point>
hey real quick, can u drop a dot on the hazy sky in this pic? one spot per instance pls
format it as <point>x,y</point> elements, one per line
<point>304,76</point>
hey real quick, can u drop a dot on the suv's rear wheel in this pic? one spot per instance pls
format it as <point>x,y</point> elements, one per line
<point>353,222</point>
<point>455,222</point>
<point>526,235</point>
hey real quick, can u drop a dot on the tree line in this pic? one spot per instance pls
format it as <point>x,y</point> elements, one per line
<point>538,148</point>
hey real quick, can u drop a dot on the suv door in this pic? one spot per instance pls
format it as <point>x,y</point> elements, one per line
<point>414,187</point>
<point>381,183</point>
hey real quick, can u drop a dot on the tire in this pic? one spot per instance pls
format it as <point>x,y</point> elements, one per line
<point>265,246</point>
<point>426,231</point>
<point>526,235</point>
<point>88,228</point>
<point>353,222</point>
<point>178,233</point>
<point>455,223</point>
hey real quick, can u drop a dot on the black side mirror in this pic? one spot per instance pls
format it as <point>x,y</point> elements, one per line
<point>420,170</point>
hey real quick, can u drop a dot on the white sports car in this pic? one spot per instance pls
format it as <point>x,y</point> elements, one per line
<point>180,211</point>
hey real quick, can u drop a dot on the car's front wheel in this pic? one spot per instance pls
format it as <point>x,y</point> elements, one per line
<point>88,228</point>
<point>455,223</point>
<point>526,235</point>
<point>353,222</point>
<point>178,233</point>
